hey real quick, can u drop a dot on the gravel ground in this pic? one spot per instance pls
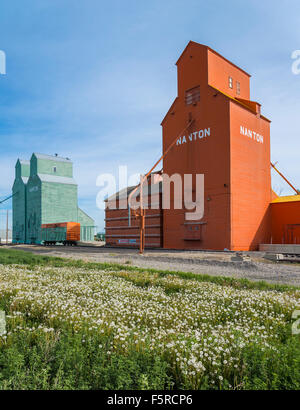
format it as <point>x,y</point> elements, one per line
<point>211,263</point>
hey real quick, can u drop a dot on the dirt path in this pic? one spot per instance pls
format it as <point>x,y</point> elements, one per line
<point>211,263</point>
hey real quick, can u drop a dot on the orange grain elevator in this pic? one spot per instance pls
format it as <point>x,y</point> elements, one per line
<point>228,142</point>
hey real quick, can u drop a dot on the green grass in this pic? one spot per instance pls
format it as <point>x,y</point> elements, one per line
<point>69,359</point>
<point>18,257</point>
<point>34,361</point>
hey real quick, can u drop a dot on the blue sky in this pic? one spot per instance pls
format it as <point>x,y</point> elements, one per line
<point>92,79</point>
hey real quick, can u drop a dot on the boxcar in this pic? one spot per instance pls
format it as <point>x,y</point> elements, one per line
<point>66,233</point>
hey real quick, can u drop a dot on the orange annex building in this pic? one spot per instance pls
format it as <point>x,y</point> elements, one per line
<point>227,139</point>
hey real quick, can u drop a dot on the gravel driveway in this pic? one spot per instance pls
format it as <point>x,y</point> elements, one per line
<point>211,263</point>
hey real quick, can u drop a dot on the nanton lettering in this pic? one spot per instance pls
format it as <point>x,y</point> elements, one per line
<point>194,136</point>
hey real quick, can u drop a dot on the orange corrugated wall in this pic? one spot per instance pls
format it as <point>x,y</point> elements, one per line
<point>73,231</point>
<point>250,181</point>
<point>286,222</point>
<point>236,169</point>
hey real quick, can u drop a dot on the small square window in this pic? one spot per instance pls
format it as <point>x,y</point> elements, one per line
<point>230,82</point>
<point>192,96</point>
<point>238,88</point>
<point>54,169</point>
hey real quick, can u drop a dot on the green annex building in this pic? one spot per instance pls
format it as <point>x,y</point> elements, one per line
<point>44,192</point>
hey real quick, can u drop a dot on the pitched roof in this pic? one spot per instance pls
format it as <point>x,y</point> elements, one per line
<point>288,198</point>
<point>170,109</point>
<point>124,193</point>
<point>238,102</point>
<point>85,214</point>
<point>57,179</point>
<point>213,51</point>
<point>52,157</point>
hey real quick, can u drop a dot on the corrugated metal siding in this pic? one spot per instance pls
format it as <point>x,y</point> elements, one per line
<point>50,196</point>
<point>59,203</point>
<point>57,234</point>
<point>34,207</point>
<point>19,211</point>
<point>87,229</point>
<point>122,230</point>
<point>44,164</point>
<point>19,201</point>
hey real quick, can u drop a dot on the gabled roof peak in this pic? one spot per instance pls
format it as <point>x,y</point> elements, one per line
<point>23,161</point>
<point>51,157</point>
<point>190,43</point>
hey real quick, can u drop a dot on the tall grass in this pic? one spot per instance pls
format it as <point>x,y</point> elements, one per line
<point>18,257</point>
<point>79,325</point>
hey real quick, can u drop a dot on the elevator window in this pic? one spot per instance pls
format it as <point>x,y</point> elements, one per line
<point>192,96</point>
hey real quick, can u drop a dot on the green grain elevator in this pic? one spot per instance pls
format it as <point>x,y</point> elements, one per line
<point>19,201</point>
<point>45,192</point>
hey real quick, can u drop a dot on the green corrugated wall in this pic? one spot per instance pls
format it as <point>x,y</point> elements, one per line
<point>59,203</point>
<point>41,202</point>
<point>34,206</point>
<point>46,166</point>
<point>19,201</point>
<point>87,229</point>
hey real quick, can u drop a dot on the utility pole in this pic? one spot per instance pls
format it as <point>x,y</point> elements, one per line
<point>1,202</point>
<point>7,227</point>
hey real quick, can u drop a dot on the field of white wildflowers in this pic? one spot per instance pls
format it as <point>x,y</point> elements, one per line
<point>200,330</point>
